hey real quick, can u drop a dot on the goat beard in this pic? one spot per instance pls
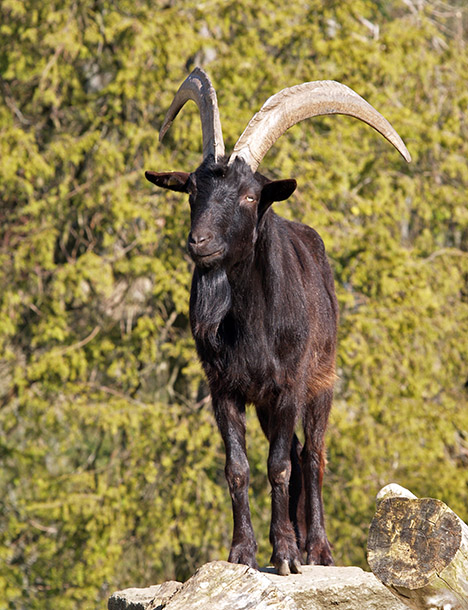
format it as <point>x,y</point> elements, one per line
<point>211,302</point>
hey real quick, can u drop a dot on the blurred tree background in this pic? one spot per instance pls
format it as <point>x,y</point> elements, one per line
<point>111,465</point>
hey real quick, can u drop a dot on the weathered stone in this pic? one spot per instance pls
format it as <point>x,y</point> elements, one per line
<point>166,591</point>
<point>220,585</point>
<point>330,587</point>
<point>140,599</point>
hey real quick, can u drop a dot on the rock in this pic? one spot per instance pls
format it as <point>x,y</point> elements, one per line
<point>220,585</point>
<point>167,590</point>
<point>140,599</point>
<point>330,587</point>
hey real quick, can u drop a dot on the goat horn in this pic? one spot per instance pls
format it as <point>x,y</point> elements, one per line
<point>289,106</point>
<point>197,87</point>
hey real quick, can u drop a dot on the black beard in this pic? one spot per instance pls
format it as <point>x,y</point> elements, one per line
<point>210,302</point>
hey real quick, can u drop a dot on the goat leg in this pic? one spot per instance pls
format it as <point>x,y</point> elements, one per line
<point>313,464</point>
<point>286,556</point>
<point>296,495</point>
<point>230,416</point>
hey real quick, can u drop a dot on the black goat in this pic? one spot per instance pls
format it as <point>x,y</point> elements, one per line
<point>263,311</point>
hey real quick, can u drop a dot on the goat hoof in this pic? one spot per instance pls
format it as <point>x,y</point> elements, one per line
<point>251,563</point>
<point>283,568</point>
<point>320,556</point>
<point>296,566</point>
<point>244,556</point>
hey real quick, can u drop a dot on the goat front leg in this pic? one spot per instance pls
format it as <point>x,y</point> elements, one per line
<point>230,416</point>
<point>286,556</point>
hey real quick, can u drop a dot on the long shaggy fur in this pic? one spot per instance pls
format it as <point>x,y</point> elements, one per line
<point>209,304</point>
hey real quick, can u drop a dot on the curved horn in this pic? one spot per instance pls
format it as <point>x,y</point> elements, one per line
<point>197,87</point>
<point>289,106</point>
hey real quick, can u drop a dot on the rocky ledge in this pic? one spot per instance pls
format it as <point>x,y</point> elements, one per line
<point>220,585</point>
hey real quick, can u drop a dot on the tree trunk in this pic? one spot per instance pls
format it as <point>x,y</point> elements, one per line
<point>418,548</point>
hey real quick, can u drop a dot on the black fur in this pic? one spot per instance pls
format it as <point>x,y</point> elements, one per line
<point>264,316</point>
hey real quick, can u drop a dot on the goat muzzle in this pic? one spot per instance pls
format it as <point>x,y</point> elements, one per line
<point>204,248</point>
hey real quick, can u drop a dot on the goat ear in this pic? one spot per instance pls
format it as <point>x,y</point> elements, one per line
<point>277,190</point>
<point>174,181</point>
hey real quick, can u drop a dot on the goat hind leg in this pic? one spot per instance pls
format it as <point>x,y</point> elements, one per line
<point>296,495</point>
<point>313,465</point>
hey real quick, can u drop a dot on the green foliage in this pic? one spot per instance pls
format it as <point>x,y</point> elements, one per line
<point>112,468</point>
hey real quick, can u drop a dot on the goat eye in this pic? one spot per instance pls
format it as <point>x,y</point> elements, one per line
<point>249,198</point>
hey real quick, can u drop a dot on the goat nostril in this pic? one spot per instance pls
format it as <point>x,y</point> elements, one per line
<point>200,238</point>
